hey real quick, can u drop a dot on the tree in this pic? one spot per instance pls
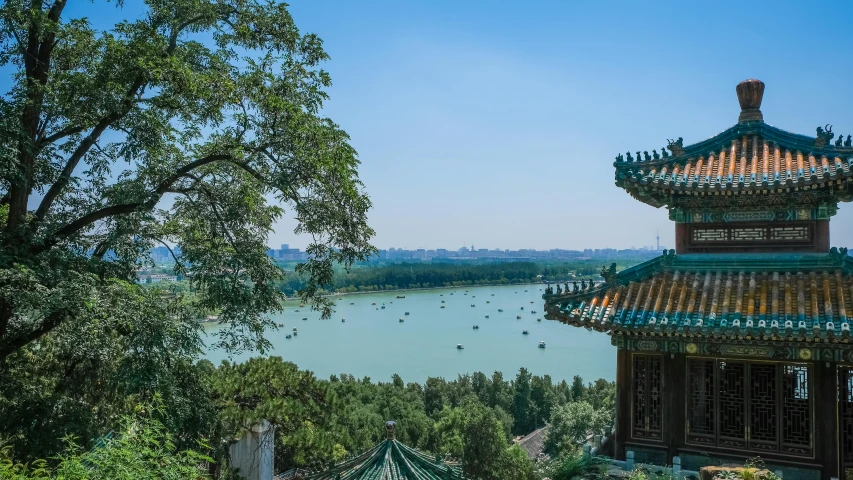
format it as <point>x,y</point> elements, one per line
<point>578,389</point>
<point>141,449</point>
<point>515,464</point>
<point>296,404</point>
<point>602,395</point>
<point>483,442</point>
<point>521,404</point>
<point>434,395</point>
<point>571,423</point>
<point>110,359</point>
<point>156,132</point>
<point>543,399</point>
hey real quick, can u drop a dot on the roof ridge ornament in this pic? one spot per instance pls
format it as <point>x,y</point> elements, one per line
<point>824,135</point>
<point>675,146</point>
<point>749,94</point>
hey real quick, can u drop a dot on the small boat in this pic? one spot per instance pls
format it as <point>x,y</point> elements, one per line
<point>524,332</point>
<point>374,303</point>
<point>440,294</point>
<point>343,320</point>
<point>296,310</point>
<point>487,316</point>
<point>522,308</point>
<point>294,334</point>
<point>280,325</point>
<point>500,309</point>
<point>451,293</point>
<point>352,303</point>
<point>488,301</point>
<point>288,336</point>
<point>464,294</point>
<point>442,306</point>
<point>493,294</point>
<point>407,313</point>
<point>383,307</point>
<point>518,317</point>
<point>525,291</point>
<point>304,318</point>
<point>459,346</point>
<point>473,296</point>
<point>401,296</point>
<point>476,327</point>
<point>401,320</point>
<point>301,305</point>
<point>541,344</point>
<point>294,330</point>
<point>538,319</point>
<point>442,301</point>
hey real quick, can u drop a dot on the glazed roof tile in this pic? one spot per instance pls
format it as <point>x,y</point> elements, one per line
<point>752,158</point>
<point>390,460</point>
<point>784,297</point>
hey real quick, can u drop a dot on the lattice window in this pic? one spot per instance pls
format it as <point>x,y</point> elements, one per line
<point>700,401</point>
<point>789,233</point>
<point>796,410</point>
<point>710,235</point>
<point>755,406</point>
<point>647,417</point>
<point>845,416</point>
<point>763,424</point>
<point>748,234</point>
<point>732,424</point>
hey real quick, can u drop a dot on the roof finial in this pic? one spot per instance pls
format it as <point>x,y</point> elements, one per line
<point>390,429</point>
<point>749,94</point>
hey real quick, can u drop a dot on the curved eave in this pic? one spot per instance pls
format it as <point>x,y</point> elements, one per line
<point>757,173</point>
<point>783,138</point>
<point>390,460</point>
<point>685,296</point>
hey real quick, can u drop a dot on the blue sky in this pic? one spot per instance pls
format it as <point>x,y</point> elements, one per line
<point>496,123</point>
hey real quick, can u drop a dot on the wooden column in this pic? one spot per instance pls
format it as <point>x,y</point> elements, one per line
<point>674,375</point>
<point>682,237</point>
<point>821,233</point>
<point>826,415</point>
<point>623,402</point>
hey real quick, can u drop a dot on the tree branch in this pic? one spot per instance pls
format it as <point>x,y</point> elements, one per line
<point>145,204</point>
<point>84,147</point>
<point>61,134</point>
<point>15,343</point>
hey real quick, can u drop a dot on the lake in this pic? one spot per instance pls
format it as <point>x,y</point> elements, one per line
<point>374,343</point>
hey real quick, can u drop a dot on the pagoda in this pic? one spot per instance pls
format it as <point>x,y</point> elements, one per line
<point>736,344</point>
<point>389,460</point>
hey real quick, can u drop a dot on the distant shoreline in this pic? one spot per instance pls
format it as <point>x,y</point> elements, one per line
<point>424,288</point>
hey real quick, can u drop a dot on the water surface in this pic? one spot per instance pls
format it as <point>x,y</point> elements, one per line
<point>374,343</point>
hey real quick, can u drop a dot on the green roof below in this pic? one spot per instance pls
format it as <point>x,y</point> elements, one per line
<point>390,460</point>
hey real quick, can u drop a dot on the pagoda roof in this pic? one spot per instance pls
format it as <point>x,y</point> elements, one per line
<point>797,297</point>
<point>390,460</point>
<point>751,158</point>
